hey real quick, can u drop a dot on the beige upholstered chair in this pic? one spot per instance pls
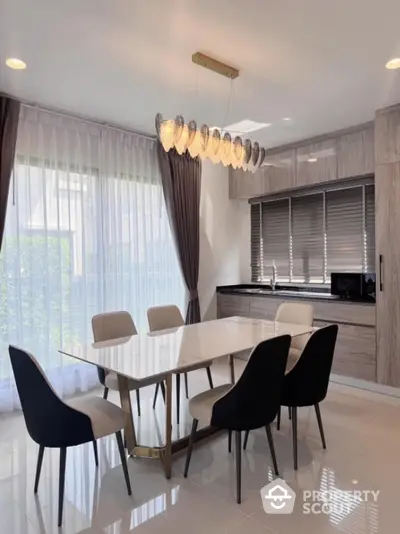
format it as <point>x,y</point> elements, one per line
<point>114,325</point>
<point>296,313</point>
<point>162,318</point>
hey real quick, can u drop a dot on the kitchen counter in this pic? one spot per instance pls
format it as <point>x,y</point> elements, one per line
<point>287,292</point>
<point>355,353</point>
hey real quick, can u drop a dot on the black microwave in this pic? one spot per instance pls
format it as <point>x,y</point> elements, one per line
<point>354,286</point>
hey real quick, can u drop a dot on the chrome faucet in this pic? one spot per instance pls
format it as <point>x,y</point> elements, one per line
<point>274,274</point>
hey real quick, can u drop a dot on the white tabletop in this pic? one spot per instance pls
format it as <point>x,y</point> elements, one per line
<point>159,353</point>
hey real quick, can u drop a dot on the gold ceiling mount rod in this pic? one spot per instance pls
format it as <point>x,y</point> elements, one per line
<point>215,65</point>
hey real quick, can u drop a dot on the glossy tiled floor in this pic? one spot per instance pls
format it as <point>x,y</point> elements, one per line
<point>363,434</point>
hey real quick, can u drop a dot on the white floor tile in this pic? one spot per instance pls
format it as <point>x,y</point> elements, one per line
<point>363,442</point>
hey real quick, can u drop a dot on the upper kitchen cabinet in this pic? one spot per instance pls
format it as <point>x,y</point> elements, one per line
<point>355,153</point>
<point>316,163</point>
<point>279,171</point>
<point>387,135</point>
<point>276,174</point>
<point>244,184</point>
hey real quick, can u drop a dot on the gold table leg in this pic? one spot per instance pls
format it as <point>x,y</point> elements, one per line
<point>167,456</point>
<point>130,435</point>
<point>232,367</point>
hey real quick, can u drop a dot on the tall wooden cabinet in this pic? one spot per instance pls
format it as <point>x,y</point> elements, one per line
<point>387,224</point>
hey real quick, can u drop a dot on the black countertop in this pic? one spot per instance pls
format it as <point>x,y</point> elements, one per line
<point>282,291</point>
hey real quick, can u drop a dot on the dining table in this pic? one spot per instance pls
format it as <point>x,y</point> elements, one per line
<point>158,355</point>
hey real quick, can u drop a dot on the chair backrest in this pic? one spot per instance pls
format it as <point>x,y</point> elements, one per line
<point>296,313</point>
<point>307,383</point>
<point>50,422</point>
<point>163,317</point>
<point>254,401</point>
<point>112,325</point>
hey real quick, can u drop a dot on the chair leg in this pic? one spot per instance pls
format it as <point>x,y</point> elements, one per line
<point>105,394</point>
<point>155,395</point>
<point>246,437</point>
<point>190,446</point>
<point>229,441</point>
<point>178,396</point>
<point>278,422</point>
<point>290,412</point>
<point>118,435</point>
<point>138,401</point>
<point>162,387</point>
<point>96,454</point>
<point>186,386</point>
<point>294,432</point>
<point>272,449</point>
<point>38,468</point>
<point>61,484</point>
<point>238,451</point>
<point>210,380</point>
<point>321,428</point>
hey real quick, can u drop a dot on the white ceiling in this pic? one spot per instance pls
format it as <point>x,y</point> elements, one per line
<point>321,62</point>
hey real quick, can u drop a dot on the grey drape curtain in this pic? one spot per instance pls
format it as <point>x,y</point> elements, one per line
<point>9,114</point>
<point>181,181</point>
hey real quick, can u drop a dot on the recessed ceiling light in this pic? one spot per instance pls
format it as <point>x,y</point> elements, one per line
<point>312,160</point>
<point>393,63</point>
<point>287,119</point>
<point>16,64</point>
<point>246,126</point>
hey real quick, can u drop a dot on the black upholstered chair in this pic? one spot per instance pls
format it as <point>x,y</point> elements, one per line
<point>251,403</point>
<point>57,424</point>
<point>307,383</point>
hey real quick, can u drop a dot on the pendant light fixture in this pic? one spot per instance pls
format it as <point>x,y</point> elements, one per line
<point>217,146</point>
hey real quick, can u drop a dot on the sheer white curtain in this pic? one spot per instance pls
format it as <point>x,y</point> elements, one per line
<point>86,232</point>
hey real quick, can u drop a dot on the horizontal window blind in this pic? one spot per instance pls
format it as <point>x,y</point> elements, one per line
<point>344,230</point>
<point>369,235</point>
<point>275,238</point>
<point>307,238</point>
<point>256,256</point>
<point>310,236</point>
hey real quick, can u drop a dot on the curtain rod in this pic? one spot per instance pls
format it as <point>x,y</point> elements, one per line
<point>82,118</point>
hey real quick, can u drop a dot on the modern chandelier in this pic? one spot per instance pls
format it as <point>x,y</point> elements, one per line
<point>213,144</point>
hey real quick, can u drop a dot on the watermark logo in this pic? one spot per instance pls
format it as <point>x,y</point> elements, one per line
<point>278,497</point>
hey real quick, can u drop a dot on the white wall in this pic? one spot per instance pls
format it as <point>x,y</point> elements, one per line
<point>224,237</point>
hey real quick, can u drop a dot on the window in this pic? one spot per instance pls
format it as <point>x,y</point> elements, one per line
<point>310,235</point>
<point>86,232</point>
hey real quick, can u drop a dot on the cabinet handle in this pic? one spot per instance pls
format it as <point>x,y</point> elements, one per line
<point>380,272</point>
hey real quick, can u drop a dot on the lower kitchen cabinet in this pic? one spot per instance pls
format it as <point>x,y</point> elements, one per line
<point>231,305</point>
<point>355,353</point>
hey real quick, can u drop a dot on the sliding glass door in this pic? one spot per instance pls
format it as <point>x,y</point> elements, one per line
<point>86,232</point>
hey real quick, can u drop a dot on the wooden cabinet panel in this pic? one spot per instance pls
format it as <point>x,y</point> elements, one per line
<point>264,307</point>
<point>355,352</point>
<point>279,171</point>
<point>387,136</point>
<point>324,169</point>
<point>355,153</point>
<point>387,224</point>
<point>245,184</point>
<point>361,314</point>
<point>231,305</point>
